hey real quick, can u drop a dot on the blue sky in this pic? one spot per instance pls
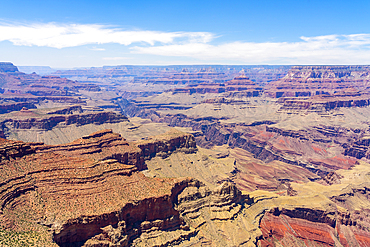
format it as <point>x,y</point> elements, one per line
<point>67,34</point>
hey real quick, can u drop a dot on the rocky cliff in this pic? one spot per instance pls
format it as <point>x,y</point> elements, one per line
<point>317,80</point>
<point>27,119</point>
<point>90,189</point>
<point>338,221</point>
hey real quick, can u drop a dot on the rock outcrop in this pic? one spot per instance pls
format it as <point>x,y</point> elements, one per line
<point>306,81</point>
<point>340,224</point>
<point>90,191</point>
<point>27,119</point>
<point>303,148</point>
<point>240,84</point>
<point>323,103</point>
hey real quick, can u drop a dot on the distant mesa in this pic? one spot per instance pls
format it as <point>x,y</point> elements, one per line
<point>15,82</point>
<point>306,81</point>
<point>238,84</point>
<point>40,70</point>
<point>7,67</point>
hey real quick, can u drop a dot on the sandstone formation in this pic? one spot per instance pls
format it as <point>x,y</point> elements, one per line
<point>305,148</point>
<point>317,80</point>
<point>27,119</point>
<point>232,87</point>
<point>70,188</point>
<point>324,103</point>
<point>90,193</point>
<point>338,218</point>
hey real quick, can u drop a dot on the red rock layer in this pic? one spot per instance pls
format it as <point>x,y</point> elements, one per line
<point>254,174</point>
<point>280,229</point>
<point>317,80</point>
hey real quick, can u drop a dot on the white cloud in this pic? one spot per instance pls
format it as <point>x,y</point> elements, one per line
<point>116,58</point>
<point>63,35</point>
<point>329,49</point>
<point>198,47</point>
<point>97,49</point>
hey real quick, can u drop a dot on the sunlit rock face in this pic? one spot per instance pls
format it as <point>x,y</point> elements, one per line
<point>306,81</point>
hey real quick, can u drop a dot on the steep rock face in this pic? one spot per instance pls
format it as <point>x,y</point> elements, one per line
<point>101,145</point>
<point>164,145</point>
<point>288,146</point>
<point>359,148</point>
<point>133,221</point>
<point>105,145</point>
<point>316,80</point>
<point>289,231</point>
<point>28,120</point>
<point>177,218</point>
<point>90,193</point>
<point>307,148</point>
<point>9,107</point>
<point>311,227</point>
<point>323,103</point>
<point>76,183</point>
<point>11,149</point>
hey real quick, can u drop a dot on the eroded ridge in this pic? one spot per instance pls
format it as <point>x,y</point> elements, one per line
<point>90,192</point>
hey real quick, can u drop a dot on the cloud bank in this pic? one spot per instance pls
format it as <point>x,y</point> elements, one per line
<point>199,46</point>
<point>71,35</point>
<point>329,49</point>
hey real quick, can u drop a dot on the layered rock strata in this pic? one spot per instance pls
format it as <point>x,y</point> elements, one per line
<point>239,84</point>
<point>323,103</point>
<point>16,106</point>
<point>27,119</point>
<point>317,80</point>
<point>342,222</point>
<point>90,193</point>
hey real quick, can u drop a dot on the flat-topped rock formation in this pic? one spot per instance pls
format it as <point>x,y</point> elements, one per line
<point>231,88</point>
<point>324,103</point>
<point>33,119</point>
<point>317,80</point>
<point>13,81</point>
<point>7,67</point>
<point>185,77</point>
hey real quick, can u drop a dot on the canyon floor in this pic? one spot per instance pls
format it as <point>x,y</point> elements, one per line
<point>185,156</point>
